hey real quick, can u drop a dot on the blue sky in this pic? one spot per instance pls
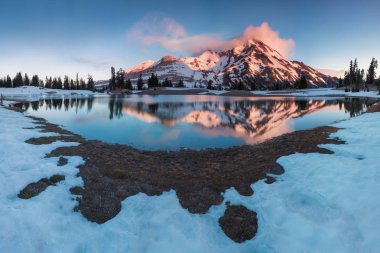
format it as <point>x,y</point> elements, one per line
<point>58,37</point>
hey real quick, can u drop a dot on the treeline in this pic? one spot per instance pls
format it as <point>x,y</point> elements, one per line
<point>356,78</point>
<point>49,82</point>
<point>118,81</point>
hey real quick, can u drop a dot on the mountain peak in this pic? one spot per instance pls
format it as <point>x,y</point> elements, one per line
<point>254,63</point>
<point>141,67</point>
<point>168,58</point>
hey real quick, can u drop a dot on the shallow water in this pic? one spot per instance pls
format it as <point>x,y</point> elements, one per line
<point>196,122</point>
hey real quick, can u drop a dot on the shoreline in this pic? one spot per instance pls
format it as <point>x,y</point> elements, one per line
<point>199,185</point>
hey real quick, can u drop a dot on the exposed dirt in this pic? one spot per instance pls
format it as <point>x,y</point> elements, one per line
<point>62,161</point>
<point>239,223</point>
<point>112,173</point>
<point>33,189</point>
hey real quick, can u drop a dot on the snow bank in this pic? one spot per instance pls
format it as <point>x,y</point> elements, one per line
<point>31,92</point>
<point>323,203</point>
<point>319,92</point>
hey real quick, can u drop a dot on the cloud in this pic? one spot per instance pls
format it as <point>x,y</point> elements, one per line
<point>171,35</point>
<point>92,62</point>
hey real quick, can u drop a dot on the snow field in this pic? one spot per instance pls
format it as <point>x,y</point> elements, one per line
<point>322,203</point>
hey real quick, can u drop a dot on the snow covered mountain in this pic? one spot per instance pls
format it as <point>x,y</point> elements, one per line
<point>255,64</point>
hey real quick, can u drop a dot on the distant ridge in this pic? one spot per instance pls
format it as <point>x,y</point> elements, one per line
<point>254,63</point>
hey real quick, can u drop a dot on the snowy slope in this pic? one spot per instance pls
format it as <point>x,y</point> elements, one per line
<point>254,62</point>
<point>141,67</point>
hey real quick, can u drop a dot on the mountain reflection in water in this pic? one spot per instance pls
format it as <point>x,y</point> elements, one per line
<point>152,122</point>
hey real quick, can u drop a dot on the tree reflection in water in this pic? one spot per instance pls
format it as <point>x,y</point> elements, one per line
<point>256,119</point>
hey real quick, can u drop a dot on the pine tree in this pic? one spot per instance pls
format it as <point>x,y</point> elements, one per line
<point>35,81</point>
<point>18,80</point>
<point>77,83</point>
<point>82,84</point>
<point>120,82</point>
<point>90,83</point>
<point>8,82</point>
<point>301,83</point>
<point>153,81</point>
<point>140,83</point>
<point>112,83</point>
<point>66,84</point>
<point>371,72</point>
<point>54,85</point>
<point>59,83</point>
<point>128,84</point>
<point>167,83</point>
<point>209,85</point>
<point>180,84</point>
<point>72,85</point>
<point>50,82</point>
<point>26,80</point>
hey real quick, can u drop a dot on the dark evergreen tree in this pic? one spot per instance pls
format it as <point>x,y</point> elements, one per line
<point>66,83</point>
<point>153,81</point>
<point>340,83</point>
<point>209,85</point>
<point>238,85</point>
<point>90,83</point>
<point>301,83</point>
<point>226,79</point>
<point>128,84</point>
<point>180,84</point>
<point>140,83</point>
<point>167,83</point>
<point>8,82</point>
<point>55,83</point>
<point>112,83</point>
<point>18,80</point>
<point>35,81</point>
<point>77,85</point>
<point>72,85</point>
<point>371,72</point>
<point>60,83</point>
<point>120,79</point>
<point>82,84</point>
<point>26,80</point>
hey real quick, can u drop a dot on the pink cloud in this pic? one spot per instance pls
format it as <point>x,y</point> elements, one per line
<point>173,36</point>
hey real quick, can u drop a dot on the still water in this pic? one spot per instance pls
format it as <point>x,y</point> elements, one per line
<point>195,122</point>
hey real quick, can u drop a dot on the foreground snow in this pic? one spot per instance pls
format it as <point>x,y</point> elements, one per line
<point>323,203</point>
